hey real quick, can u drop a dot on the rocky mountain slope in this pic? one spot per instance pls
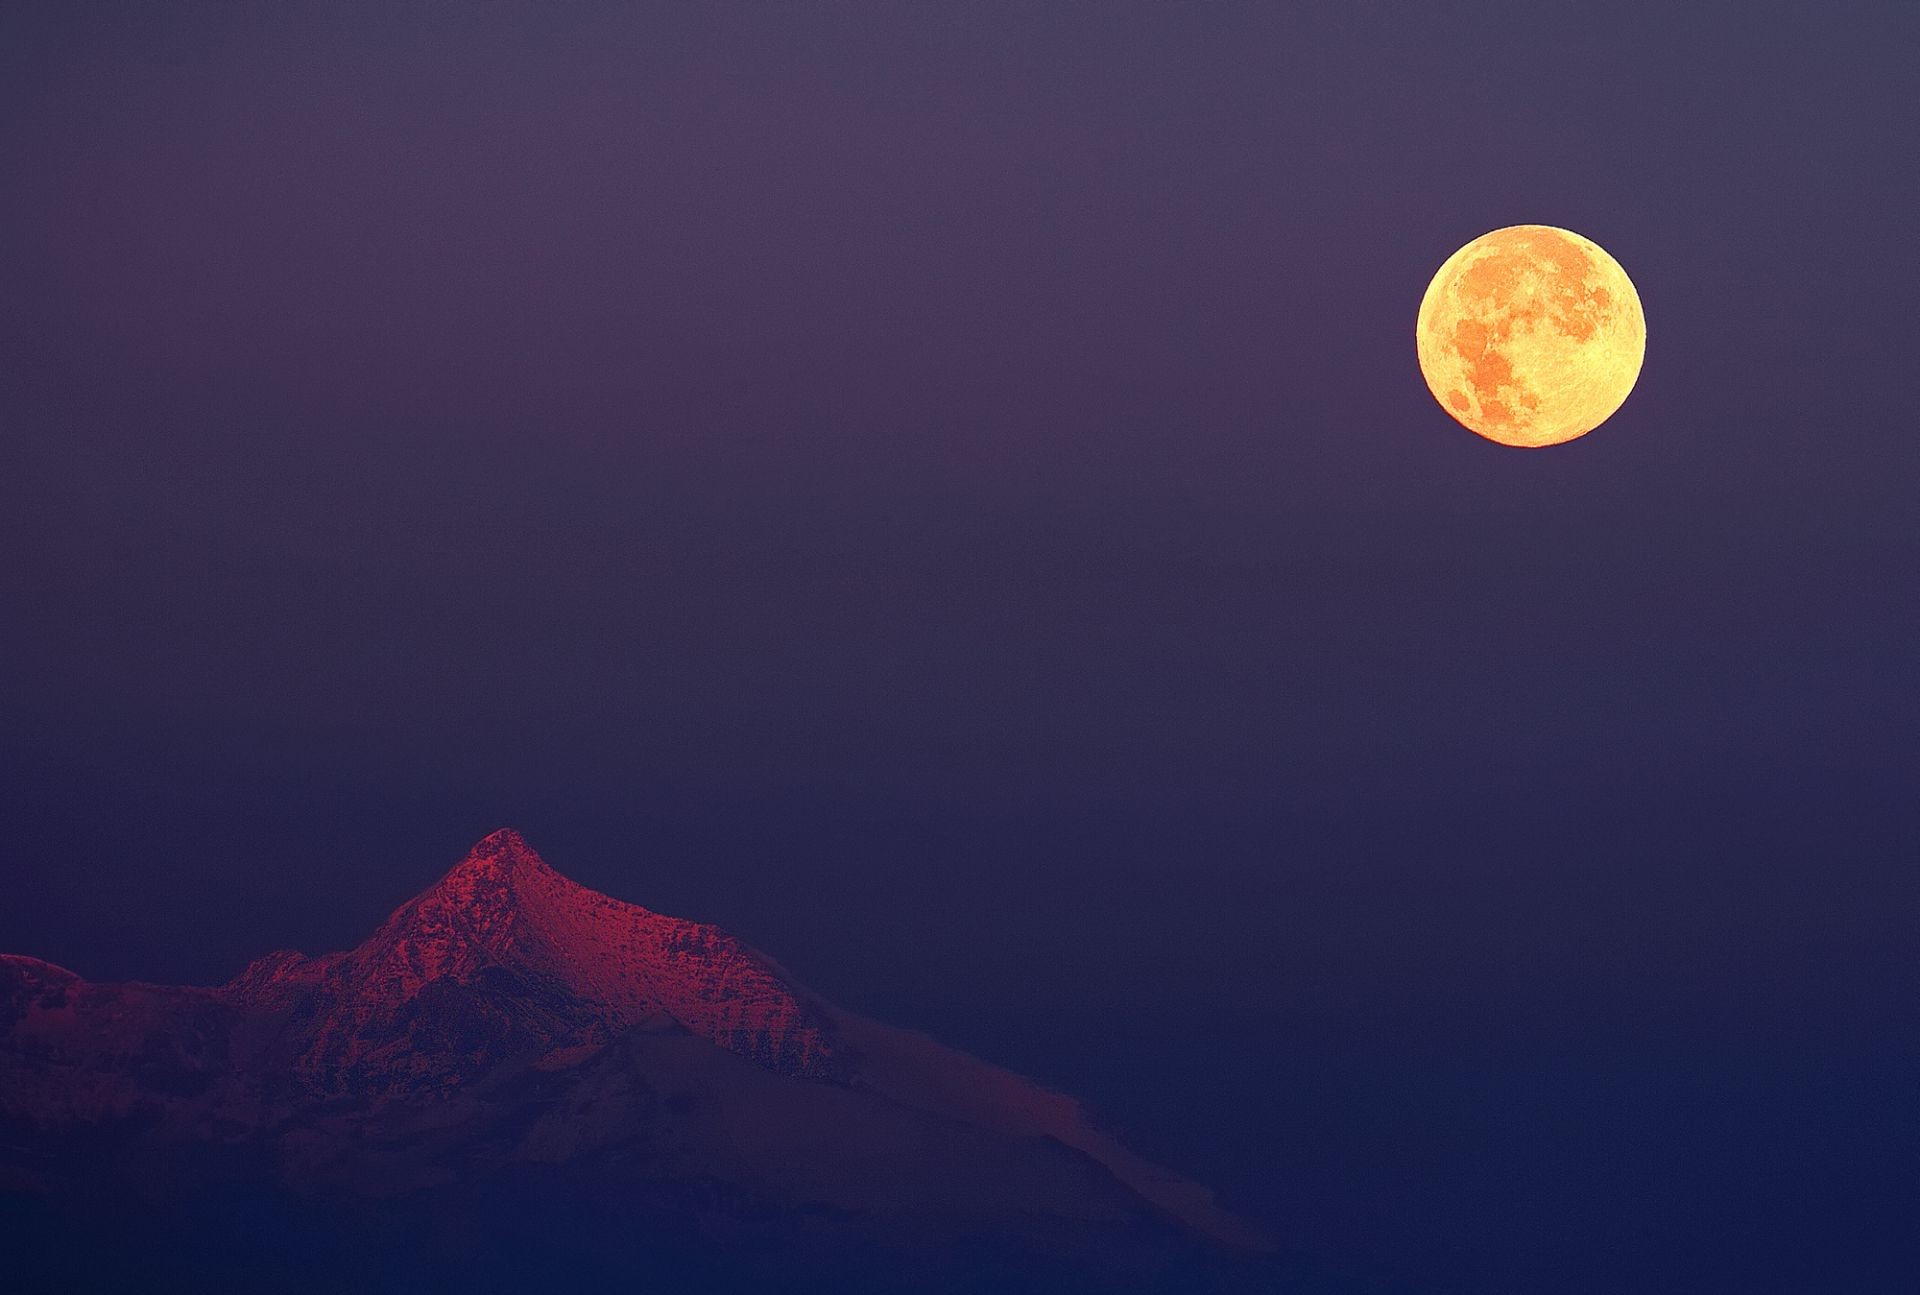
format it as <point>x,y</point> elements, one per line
<point>508,1021</point>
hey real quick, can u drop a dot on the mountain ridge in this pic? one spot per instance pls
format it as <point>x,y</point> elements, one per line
<point>603,963</point>
<point>507,1015</point>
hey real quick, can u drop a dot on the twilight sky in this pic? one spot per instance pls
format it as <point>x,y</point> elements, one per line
<point>946,492</point>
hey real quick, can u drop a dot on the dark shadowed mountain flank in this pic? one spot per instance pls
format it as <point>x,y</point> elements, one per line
<point>516,1080</point>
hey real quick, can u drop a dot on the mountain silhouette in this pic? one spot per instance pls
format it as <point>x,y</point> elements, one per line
<point>510,1044</point>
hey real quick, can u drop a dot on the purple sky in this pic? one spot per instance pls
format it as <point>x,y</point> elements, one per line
<point>945,491</point>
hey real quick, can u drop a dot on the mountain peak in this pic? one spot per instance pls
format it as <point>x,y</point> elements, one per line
<point>504,951</point>
<point>498,896</point>
<point>508,1005</point>
<point>502,853</point>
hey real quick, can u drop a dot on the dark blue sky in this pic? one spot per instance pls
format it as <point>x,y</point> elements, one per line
<point>945,491</point>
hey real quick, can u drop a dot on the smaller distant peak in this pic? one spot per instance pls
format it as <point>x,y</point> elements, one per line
<point>37,967</point>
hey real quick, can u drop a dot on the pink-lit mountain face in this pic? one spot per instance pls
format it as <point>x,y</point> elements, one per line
<point>503,958</point>
<point>507,1017</point>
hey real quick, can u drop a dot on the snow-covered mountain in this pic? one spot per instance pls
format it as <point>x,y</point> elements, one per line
<point>508,1020</point>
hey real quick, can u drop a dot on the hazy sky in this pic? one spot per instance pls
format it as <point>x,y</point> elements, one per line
<point>946,492</point>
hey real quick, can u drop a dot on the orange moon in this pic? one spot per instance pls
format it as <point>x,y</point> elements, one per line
<point>1531,335</point>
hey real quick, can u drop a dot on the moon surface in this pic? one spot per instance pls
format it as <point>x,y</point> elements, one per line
<point>1531,335</point>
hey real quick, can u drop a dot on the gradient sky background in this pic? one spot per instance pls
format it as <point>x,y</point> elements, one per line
<point>946,492</point>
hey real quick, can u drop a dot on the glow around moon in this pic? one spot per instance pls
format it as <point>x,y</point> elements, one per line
<point>1531,335</point>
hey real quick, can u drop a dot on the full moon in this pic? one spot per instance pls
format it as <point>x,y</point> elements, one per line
<point>1531,335</point>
